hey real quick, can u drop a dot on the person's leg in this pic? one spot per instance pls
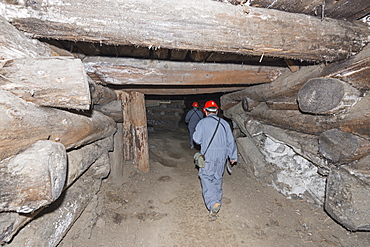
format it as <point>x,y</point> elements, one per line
<point>212,195</point>
<point>207,190</point>
<point>211,180</point>
<point>191,132</point>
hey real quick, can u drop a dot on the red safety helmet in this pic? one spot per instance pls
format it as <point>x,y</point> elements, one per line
<point>210,106</point>
<point>195,104</point>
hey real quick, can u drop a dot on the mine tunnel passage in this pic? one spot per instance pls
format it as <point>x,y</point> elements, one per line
<point>164,206</point>
<point>155,198</point>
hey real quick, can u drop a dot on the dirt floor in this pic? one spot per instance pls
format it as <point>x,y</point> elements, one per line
<point>164,207</point>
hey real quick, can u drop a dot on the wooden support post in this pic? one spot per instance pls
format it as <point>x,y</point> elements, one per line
<point>128,153</point>
<point>138,117</point>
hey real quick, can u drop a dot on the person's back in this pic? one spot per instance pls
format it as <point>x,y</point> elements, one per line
<point>206,128</point>
<point>192,118</point>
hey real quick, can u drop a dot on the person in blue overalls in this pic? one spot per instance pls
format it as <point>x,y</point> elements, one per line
<point>192,118</point>
<point>218,151</point>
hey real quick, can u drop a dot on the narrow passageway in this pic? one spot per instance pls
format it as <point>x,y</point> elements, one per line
<point>164,207</point>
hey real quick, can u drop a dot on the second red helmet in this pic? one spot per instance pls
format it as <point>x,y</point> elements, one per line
<point>210,106</point>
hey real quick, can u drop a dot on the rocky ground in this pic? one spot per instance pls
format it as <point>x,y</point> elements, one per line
<point>164,207</point>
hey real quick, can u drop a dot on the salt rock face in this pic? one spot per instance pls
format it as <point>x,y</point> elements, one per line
<point>294,176</point>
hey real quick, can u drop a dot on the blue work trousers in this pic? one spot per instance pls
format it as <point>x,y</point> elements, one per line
<point>211,177</point>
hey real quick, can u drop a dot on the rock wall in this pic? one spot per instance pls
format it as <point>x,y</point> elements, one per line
<point>164,113</point>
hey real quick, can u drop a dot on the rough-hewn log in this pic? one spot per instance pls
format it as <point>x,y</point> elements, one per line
<point>23,123</point>
<point>93,156</point>
<point>127,127</point>
<point>112,109</point>
<point>57,82</point>
<point>360,169</point>
<point>219,27</point>
<point>341,9</point>
<point>33,178</point>
<point>249,150</point>
<point>11,222</point>
<point>339,146</point>
<point>327,96</point>
<point>229,100</point>
<point>355,121</point>
<point>292,119</point>
<point>347,200</point>
<point>284,88</point>
<point>138,118</point>
<point>53,222</point>
<point>100,94</point>
<point>252,155</point>
<point>13,44</point>
<point>79,160</point>
<point>357,74</point>
<point>127,71</point>
<point>235,110</point>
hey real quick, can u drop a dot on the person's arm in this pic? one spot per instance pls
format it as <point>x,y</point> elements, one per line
<point>231,145</point>
<point>187,117</point>
<point>197,136</point>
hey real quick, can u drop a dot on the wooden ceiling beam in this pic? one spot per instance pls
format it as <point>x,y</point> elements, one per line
<point>198,26</point>
<point>13,44</point>
<point>339,9</point>
<point>128,71</point>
